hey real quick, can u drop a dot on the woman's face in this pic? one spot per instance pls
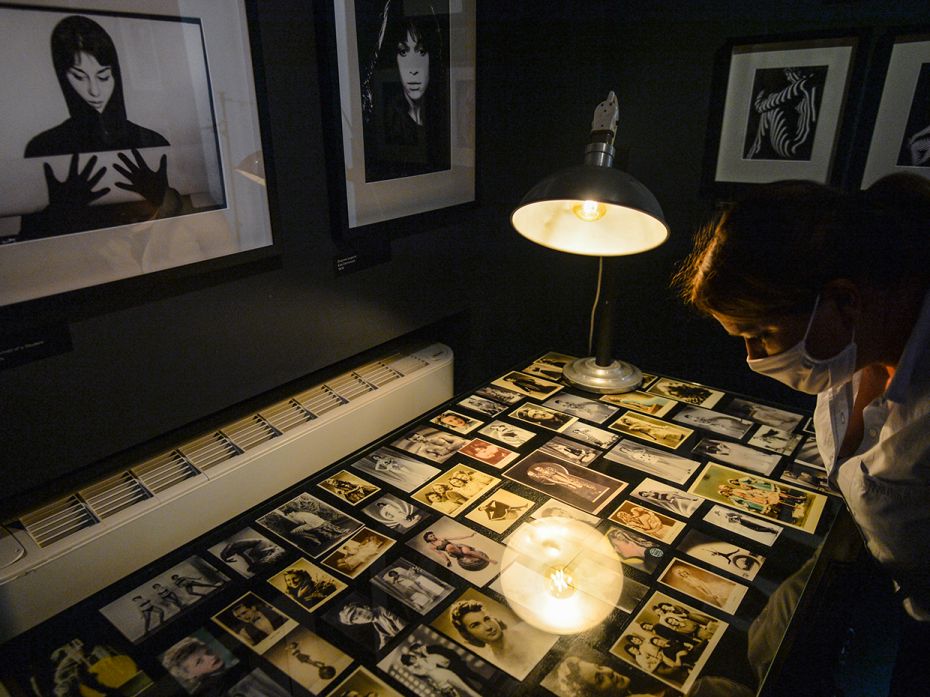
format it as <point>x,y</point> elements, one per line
<point>413,66</point>
<point>92,81</point>
<point>201,662</point>
<point>483,626</point>
<point>601,679</point>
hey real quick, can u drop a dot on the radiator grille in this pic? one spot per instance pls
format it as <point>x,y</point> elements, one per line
<point>283,416</point>
<point>249,432</point>
<point>378,374</point>
<point>209,451</point>
<point>57,520</point>
<point>114,494</point>
<point>319,400</point>
<point>164,471</point>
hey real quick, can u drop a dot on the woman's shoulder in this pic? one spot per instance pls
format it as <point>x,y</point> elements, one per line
<point>143,137</point>
<point>54,141</point>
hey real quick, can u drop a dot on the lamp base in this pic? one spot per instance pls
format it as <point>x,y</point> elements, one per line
<point>617,377</point>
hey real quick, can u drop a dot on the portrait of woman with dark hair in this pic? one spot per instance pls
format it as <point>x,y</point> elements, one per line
<point>405,88</point>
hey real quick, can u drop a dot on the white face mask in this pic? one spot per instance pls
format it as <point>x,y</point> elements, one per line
<point>796,368</point>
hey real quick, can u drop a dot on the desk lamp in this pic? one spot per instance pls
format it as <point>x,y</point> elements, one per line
<point>595,210</point>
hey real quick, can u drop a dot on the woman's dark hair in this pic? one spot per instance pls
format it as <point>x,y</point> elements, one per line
<point>457,613</point>
<point>77,34</point>
<point>770,254</point>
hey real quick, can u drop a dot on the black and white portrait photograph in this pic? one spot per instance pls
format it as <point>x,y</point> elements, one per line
<point>500,510</point>
<point>506,433</point>
<point>357,553</point>
<point>658,463</point>
<point>763,414</point>
<point>417,589</point>
<point>482,405</point>
<point>248,552</point>
<point>349,487</point>
<point>582,671</point>
<point>306,584</point>
<point>310,524</point>
<point>308,659</point>
<point>688,392</point>
<point>119,133</point>
<point>586,433</point>
<point>406,473</point>
<point>162,598</point>
<point>667,497</point>
<point>199,662</point>
<point>529,385</point>
<point>775,440</point>
<point>538,415</point>
<point>724,555</point>
<point>571,450</point>
<point>455,489</point>
<point>454,421</point>
<point>430,443</point>
<point>582,407</point>
<point>488,453</point>
<point>743,524</point>
<point>460,549</point>
<point>255,622</point>
<point>395,513</point>
<point>725,425</point>
<point>575,485</point>
<point>499,394</point>
<point>737,454</point>
<point>370,625</point>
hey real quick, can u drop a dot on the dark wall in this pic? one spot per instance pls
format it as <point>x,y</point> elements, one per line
<point>144,371</point>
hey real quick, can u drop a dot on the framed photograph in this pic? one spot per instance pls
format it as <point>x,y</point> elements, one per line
<point>900,138</point>
<point>406,109</point>
<point>778,109</point>
<point>140,173</point>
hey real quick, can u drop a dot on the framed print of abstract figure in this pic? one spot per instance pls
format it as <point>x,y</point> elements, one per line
<point>778,109</point>
<point>406,77</point>
<point>124,127</point>
<point>901,136</point>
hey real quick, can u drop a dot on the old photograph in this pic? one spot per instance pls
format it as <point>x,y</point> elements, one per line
<point>688,392</point>
<point>460,549</point>
<point>538,415</point>
<point>724,555</point>
<point>582,407</point>
<point>743,524</point>
<point>369,625</point>
<point>636,550</point>
<point>570,450</point>
<point>667,497</point>
<point>406,473</point>
<point>640,401</point>
<point>575,485</point>
<point>537,388</point>
<point>310,524</point>
<point>349,487</point>
<point>500,510</point>
<point>506,433</point>
<point>647,521</point>
<point>248,552</point>
<point>658,463</point>
<point>651,430</point>
<point>582,671</point>
<point>586,433</point>
<point>763,414</point>
<point>704,585</point>
<point>411,585</point>
<point>775,439</point>
<point>488,453</point>
<point>725,425</point>
<point>307,584</point>
<point>500,394</point>
<point>454,421</point>
<point>357,553</point>
<point>737,454</point>
<point>809,477</point>
<point>364,683</point>
<point>430,443</point>
<point>482,405</point>
<point>255,622</point>
<point>395,513</point>
<point>199,662</point>
<point>455,489</point>
<point>308,660</point>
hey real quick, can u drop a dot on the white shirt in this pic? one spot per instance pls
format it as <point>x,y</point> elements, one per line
<point>886,482</point>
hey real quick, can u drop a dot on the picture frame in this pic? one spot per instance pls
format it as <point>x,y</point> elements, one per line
<point>389,177</point>
<point>898,138</point>
<point>186,109</point>
<point>780,109</point>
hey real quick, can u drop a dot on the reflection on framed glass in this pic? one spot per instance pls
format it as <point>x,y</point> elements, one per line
<point>406,83</point>
<point>778,108</point>
<point>121,136</point>
<point>901,136</point>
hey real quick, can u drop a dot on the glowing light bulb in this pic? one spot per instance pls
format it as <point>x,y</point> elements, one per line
<point>589,211</point>
<point>560,583</point>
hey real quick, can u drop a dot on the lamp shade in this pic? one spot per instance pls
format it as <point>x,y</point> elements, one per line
<point>591,210</point>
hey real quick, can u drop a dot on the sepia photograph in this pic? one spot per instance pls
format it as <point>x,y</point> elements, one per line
<point>688,392</point>
<point>577,486</point>
<point>809,477</point>
<point>357,553</point>
<point>570,450</point>
<point>703,585</point>
<point>582,407</point>
<point>500,394</point>
<point>349,487</point>
<point>255,622</point>
<point>500,510</point>
<point>310,524</point>
<point>455,489</point>
<point>724,555</point>
<point>586,433</point>
<point>395,513</point>
<point>199,663</point>
<point>506,433</point>
<point>658,463</point>
<point>248,553</point>
<point>737,454</point>
<point>584,672</point>
<point>635,550</point>
<point>640,401</point>
<point>538,415</point>
<point>699,417</point>
<point>406,473</point>
<point>809,454</point>
<point>258,684</point>
<point>307,659</point>
<point>488,453</point>
<point>775,439</point>
<point>363,683</point>
<point>367,624</point>
<point>763,414</point>
<point>647,521</point>
<point>537,388</point>
<point>455,421</point>
<point>553,508</point>
<point>482,405</point>
<point>652,430</point>
<point>307,584</point>
<point>743,524</point>
<point>667,497</point>
<point>460,549</point>
<point>430,443</point>
<point>411,585</point>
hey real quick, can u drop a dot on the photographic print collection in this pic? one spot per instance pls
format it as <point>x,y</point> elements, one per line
<point>379,575</point>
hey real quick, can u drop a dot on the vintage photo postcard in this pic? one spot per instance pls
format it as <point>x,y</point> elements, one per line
<point>775,439</point>
<point>543,370</point>
<point>430,665</point>
<point>640,401</point>
<point>704,585</point>
<point>763,414</point>
<point>357,553</point>
<point>688,392</point>
<point>411,585</point>
<point>455,421</point>
<point>395,513</point>
<point>307,584</point>
<point>369,625</point>
<point>635,550</point>
<point>309,660</point>
<point>809,477</point>
<point>500,510</point>
<point>669,640</point>
<point>349,487</point>
<point>556,359</point>
<point>406,473</point>
<point>582,407</point>
<point>199,662</point>
<point>743,524</point>
<point>724,555</point>
<point>430,443</point>
<point>499,394</point>
<point>310,524</point>
<point>363,683</point>
<point>248,552</point>
<point>647,521</point>
<point>577,486</point>
<point>667,497</point>
<point>656,462</point>
<point>255,622</point>
<point>557,509</point>
<point>586,433</point>
<point>529,385</point>
<point>460,549</point>
<point>506,433</point>
<point>488,453</point>
<point>809,454</point>
<point>570,450</point>
<point>708,420</point>
<point>797,508</point>
<point>539,415</point>
<point>163,598</point>
<point>258,684</point>
<point>495,633</point>
<point>482,405</point>
<point>737,454</point>
<point>455,489</point>
<point>652,430</point>
<point>582,670</point>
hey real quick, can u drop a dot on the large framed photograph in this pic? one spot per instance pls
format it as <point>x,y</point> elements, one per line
<point>900,138</point>
<point>406,96</point>
<point>128,139</point>
<point>778,110</point>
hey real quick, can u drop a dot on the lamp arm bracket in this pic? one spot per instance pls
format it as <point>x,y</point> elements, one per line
<point>604,123</point>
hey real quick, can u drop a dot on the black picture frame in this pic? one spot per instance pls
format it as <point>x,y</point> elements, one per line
<point>368,210</point>
<point>229,114</point>
<point>798,124</point>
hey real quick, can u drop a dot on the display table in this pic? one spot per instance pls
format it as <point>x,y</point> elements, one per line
<point>390,572</point>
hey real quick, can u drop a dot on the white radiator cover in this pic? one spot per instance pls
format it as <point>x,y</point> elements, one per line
<point>38,582</point>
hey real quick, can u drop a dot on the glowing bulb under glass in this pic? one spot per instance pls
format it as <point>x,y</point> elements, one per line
<point>589,211</point>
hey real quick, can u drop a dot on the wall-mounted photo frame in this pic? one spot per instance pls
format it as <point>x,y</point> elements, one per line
<point>403,101</point>
<point>779,108</point>
<point>900,137</point>
<point>138,155</point>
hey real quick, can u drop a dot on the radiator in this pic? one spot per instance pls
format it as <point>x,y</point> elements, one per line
<point>63,552</point>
